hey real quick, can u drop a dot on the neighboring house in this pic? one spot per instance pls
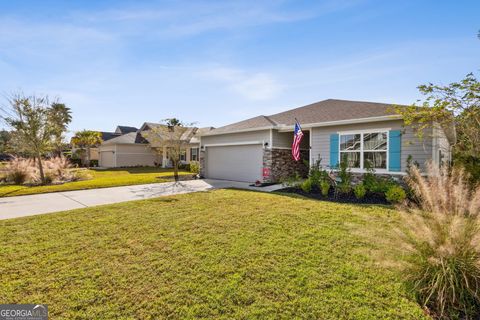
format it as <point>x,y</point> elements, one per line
<point>130,149</point>
<point>94,151</point>
<point>260,148</point>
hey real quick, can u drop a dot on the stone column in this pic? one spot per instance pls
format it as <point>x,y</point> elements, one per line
<point>267,165</point>
<point>201,160</point>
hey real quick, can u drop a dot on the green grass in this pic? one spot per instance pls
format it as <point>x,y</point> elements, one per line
<point>100,179</point>
<point>225,254</point>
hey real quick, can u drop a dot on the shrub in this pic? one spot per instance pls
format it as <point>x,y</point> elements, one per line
<point>19,170</point>
<point>360,191</point>
<point>345,178</point>
<point>317,175</point>
<point>395,194</point>
<point>294,181</point>
<point>93,163</point>
<point>441,236</point>
<point>78,175</point>
<point>194,167</point>
<point>324,187</point>
<point>374,183</point>
<point>184,166</point>
<point>471,165</point>
<point>307,186</point>
<point>77,162</point>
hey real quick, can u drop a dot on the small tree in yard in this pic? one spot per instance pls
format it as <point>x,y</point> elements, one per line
<point>455,104</point>
<point>85,140</point>
<point>36,126</point>
<point>175,136</point>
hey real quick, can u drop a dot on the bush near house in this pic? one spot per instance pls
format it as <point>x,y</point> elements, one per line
<point>360,191</point>
<point>339,186</point>
<point>395,194</point>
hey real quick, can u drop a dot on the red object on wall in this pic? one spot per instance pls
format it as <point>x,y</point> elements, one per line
<point>266,172</point>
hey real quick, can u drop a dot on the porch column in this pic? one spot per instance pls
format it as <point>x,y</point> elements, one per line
<point>165,158</point>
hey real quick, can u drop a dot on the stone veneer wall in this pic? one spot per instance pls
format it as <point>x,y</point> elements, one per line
<point>201,160</point>
<point>282,165</point>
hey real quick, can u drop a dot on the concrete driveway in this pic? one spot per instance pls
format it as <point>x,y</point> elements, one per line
<point>21,206</point>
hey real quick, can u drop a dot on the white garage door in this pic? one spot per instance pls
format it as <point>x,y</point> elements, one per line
<point>106,159</point>
<point>239,163</point>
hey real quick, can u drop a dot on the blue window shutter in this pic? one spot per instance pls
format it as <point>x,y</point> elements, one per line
<point>334,150</point>
<point>395,150</point>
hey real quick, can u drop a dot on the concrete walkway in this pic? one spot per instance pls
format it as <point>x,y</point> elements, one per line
<point>21,206</point>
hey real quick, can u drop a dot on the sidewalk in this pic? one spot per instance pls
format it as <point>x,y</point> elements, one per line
<point>21,206</point>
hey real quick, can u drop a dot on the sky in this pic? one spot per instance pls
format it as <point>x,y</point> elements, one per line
<point>217,62</point>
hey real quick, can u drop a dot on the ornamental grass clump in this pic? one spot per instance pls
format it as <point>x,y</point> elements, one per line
<point>441,234</point>
<point>58,168</point>
<point>19,170</point>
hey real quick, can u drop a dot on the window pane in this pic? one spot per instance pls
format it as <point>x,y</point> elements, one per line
<point>352,158</point>
<point>350,142</point>
<point>378,160</point>
<point>193,154</point>
<point>375,141</point>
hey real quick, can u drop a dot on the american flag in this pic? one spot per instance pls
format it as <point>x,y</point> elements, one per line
<point>297,138</point>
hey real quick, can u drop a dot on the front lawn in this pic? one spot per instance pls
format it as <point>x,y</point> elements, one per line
<point>100,179</point>
<point>224,254</point>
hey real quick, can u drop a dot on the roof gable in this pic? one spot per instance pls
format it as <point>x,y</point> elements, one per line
<point>125,129</point>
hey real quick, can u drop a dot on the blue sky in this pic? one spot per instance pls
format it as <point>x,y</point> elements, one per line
<point>217,62</point>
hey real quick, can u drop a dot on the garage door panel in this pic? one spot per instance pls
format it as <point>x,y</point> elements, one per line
<point>106,159</point>
<point>239,163</point>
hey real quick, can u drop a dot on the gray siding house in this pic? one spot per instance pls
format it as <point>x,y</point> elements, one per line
<point>359,132</point>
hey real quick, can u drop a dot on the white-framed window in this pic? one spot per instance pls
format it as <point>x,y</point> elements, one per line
<point>193,154</point>
<point>366,147</point>
<point>183,155</point>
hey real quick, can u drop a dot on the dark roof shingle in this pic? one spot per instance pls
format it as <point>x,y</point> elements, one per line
<point>125,129</point>
<point>323,111</point>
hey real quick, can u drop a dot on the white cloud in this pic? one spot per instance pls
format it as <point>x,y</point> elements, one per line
<point>252,86</point>
<point>188,18</point>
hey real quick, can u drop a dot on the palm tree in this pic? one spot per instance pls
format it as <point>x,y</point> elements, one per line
<point>87,139</point>
<point>61,115</point>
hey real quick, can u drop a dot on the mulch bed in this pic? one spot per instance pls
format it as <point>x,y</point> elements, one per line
<point>370,198</point>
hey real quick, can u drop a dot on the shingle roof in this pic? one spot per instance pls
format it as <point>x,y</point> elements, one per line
<point>108,135</point>
<point>200,132</point>
<point>323,111</point>
<point>128,138</point>
<point>125,129</point>
<point>257,122</point>
<point>333,110</point>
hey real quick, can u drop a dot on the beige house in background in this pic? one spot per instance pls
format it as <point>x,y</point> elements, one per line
<point>131,149</point>
<point>106,135</point>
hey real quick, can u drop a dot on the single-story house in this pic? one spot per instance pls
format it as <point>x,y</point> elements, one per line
<point>132,149</point>
<point>359,132</point>
<point>105,135</point>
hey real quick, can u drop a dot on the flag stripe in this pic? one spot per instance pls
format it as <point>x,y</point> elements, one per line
<point>297,139</point>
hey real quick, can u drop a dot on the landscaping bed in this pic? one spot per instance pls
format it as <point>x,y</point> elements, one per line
<point>370,198</point>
